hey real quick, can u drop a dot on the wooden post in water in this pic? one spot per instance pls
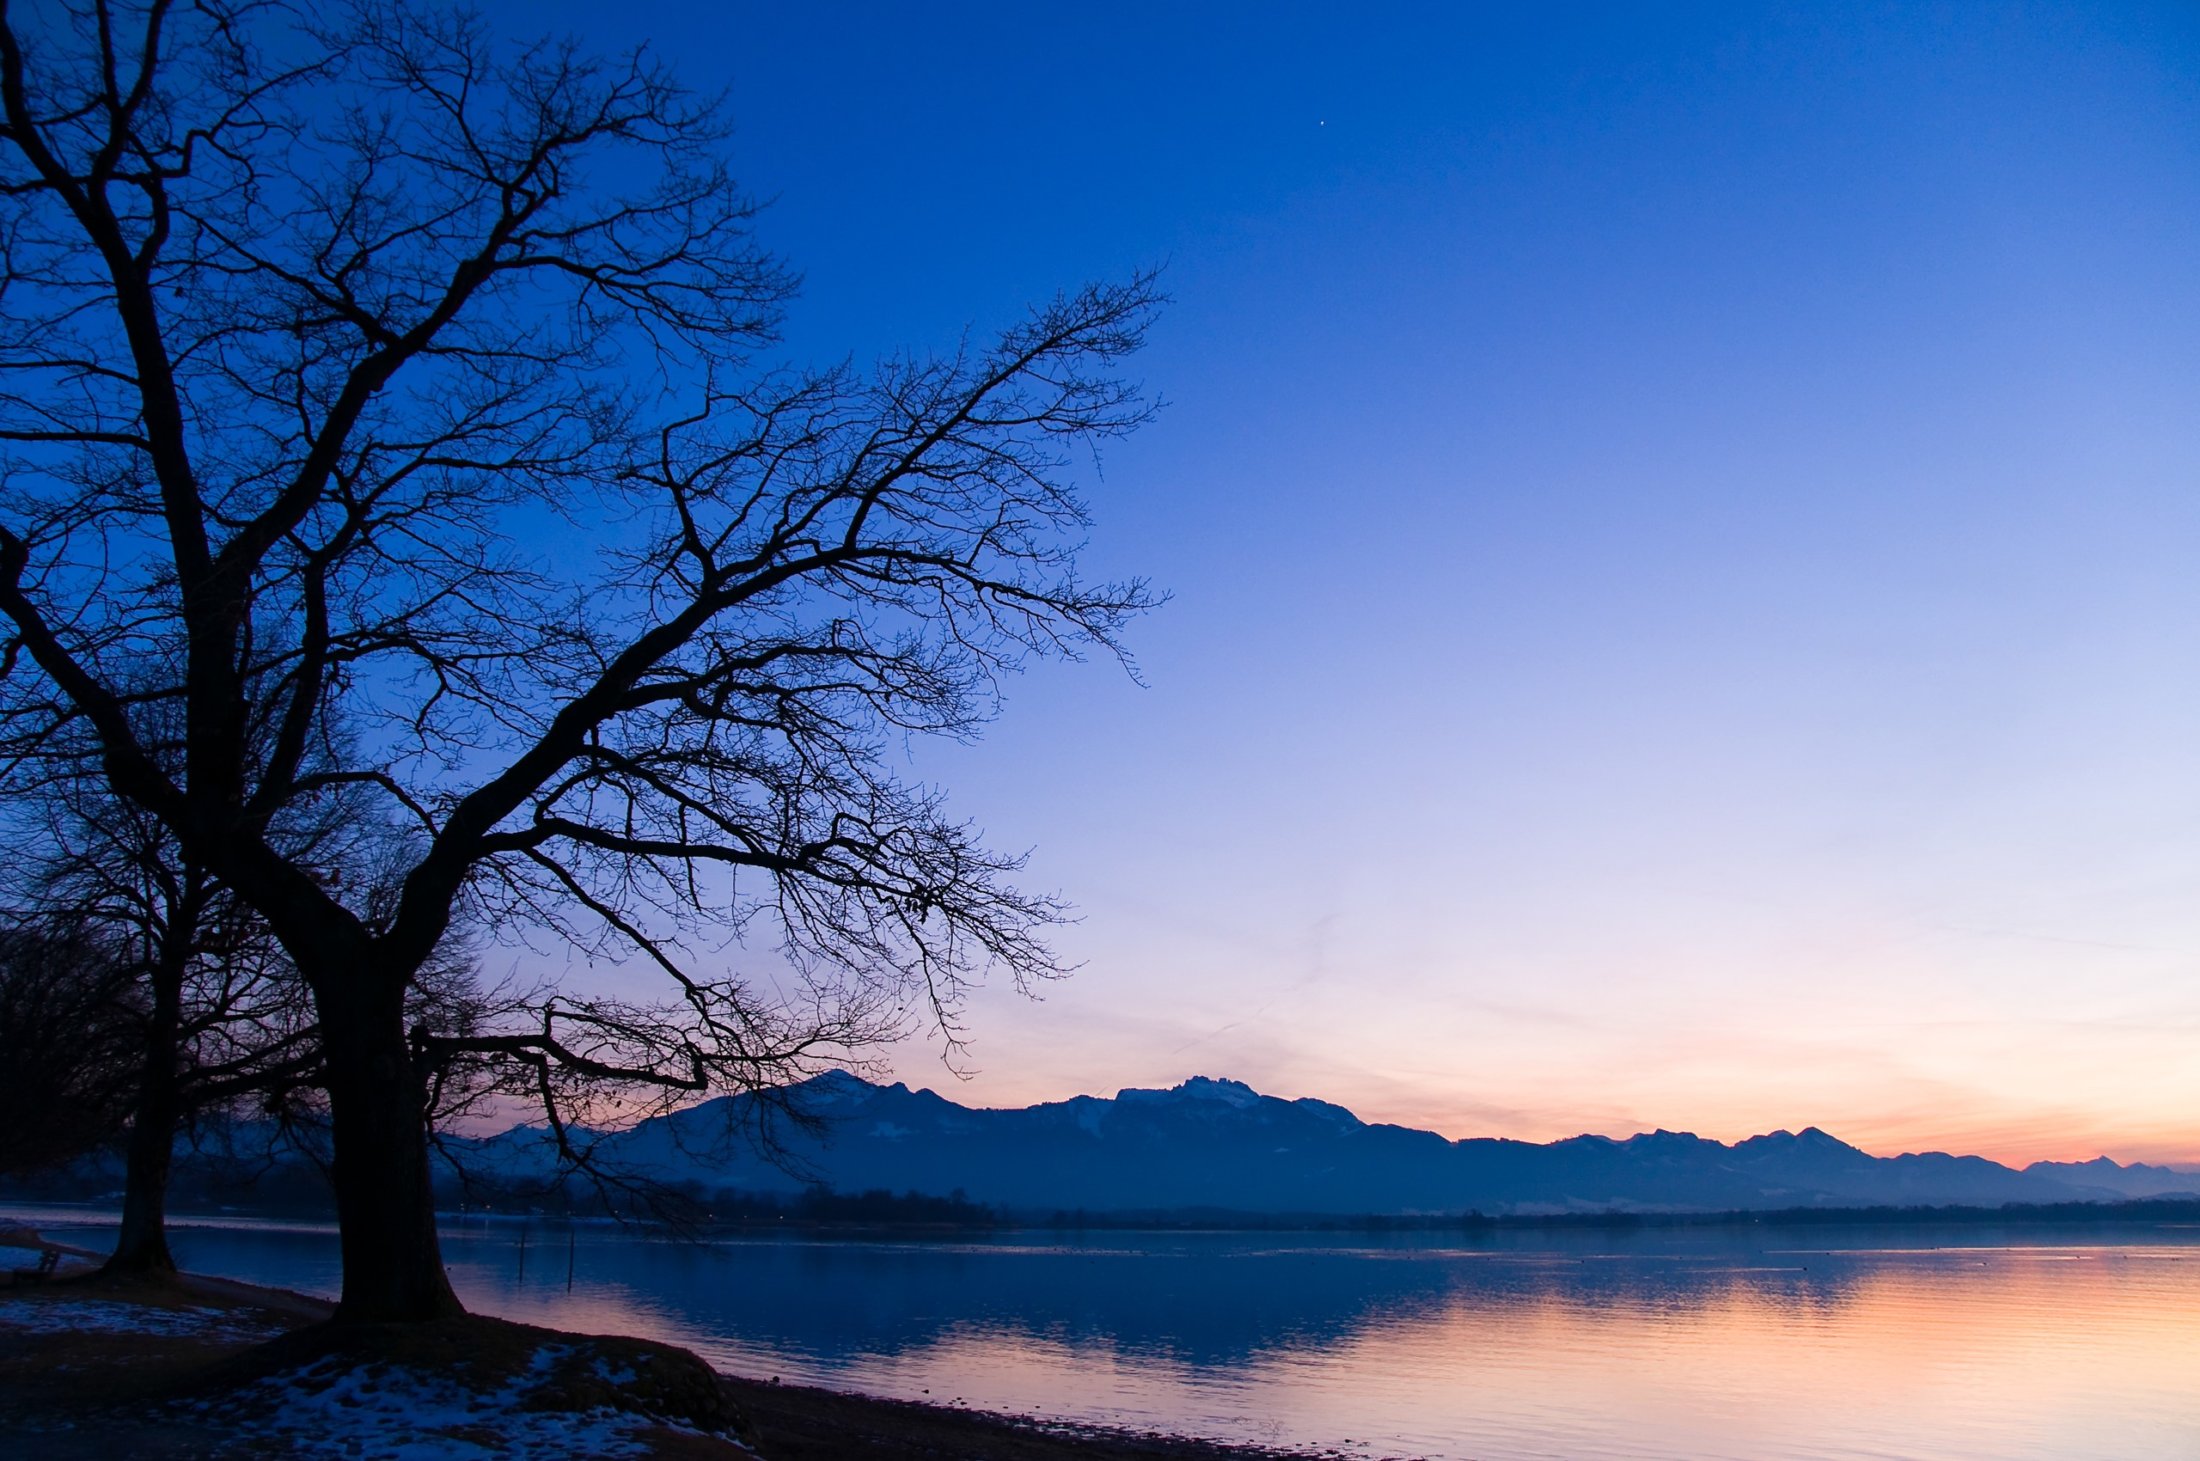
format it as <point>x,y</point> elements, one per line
<point>523,1253</point>
<point>569,1245</point>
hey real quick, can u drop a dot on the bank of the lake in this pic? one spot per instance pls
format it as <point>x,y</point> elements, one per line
<point>201,1369</point>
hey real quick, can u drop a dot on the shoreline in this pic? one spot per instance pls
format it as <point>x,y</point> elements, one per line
<point>155,1372</point>
<point>2131,1212</point>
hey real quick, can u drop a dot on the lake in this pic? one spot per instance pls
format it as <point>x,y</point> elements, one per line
<point>1760,1344</point>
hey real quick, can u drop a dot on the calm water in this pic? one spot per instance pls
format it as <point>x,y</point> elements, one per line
<point>1774,1345</point>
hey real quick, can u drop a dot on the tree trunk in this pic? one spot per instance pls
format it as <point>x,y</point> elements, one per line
<point>385,1205</point>
<point>142,1244</point>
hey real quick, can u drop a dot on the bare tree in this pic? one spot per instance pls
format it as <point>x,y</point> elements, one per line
<point>221,1020</point>
<point>200,1015</point>
<point>68,1046</point>
<point>382,402</point>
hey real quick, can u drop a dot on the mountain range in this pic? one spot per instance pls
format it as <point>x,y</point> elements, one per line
<point>1219,1146</point>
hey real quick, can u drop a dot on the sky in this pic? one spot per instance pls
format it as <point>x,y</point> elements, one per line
<point>1681,524</point>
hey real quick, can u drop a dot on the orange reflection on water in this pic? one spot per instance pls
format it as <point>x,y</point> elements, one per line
<point>2007,1355</point>
<point>1997,1354</point>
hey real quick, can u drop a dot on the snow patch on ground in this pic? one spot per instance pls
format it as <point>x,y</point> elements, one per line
<point>105,1316</point>
<point>397,1413</point>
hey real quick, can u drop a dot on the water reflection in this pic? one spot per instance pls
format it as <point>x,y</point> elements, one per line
<point>1798,1344</point>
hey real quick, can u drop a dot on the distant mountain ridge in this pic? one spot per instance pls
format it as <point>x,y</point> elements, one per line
<point>2137,1180</point>
<point>1219,1145</point>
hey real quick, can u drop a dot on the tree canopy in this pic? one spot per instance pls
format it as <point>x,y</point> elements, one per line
<point>398,508</point>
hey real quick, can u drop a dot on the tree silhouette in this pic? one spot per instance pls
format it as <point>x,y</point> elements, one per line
<point>187,1006</point>
<point>383,417</point>
<point>211,1013</point>
<point>69,1049</point>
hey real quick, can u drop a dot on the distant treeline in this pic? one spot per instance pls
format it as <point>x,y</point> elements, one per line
<point>289,1185</point>
<point>875,1208</point>
<point>2137,1210</point>
<point>691,1205</point>
<point>201,1181</point>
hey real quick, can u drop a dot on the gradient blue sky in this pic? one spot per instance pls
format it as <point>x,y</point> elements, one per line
<point>1683,526</point>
